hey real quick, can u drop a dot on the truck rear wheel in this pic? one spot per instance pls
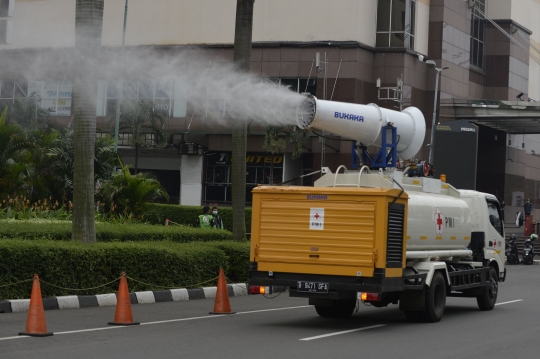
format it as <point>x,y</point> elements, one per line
<point>339,309</point>
<point>435,299</point>
<point>489,298</point>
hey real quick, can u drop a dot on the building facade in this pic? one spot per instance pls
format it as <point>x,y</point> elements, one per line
<point>489,47</point>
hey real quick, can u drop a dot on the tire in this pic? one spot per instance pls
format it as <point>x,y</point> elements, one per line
<point>487,301</point>
<point>435,299</point>
<point>339,309</point>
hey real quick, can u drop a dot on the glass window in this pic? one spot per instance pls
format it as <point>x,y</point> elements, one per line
<point>52,96</point>
<point>395,23</point>
<point>478,25</point>
<point>494,216</point>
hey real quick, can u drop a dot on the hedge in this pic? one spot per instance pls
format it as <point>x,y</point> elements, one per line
<point>79,266</point>
<point>108,232</point>
<point>189,215</point>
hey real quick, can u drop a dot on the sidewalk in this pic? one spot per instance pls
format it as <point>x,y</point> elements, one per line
<point>511,228</point>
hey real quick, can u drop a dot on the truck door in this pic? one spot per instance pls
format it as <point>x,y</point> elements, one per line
<point>495,234</point>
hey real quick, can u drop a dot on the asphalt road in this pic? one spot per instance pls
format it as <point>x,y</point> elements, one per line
<point>286,327</point>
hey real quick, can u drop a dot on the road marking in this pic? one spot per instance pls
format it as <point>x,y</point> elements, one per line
<point>89,330</point>
<point>159,322</point>
<point>17,337</point>
<point>343,332</point>
<point>512,301</point>
<point>222,315</point>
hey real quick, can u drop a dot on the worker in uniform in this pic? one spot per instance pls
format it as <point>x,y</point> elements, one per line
<point>205,219</point>
<point>217,222</point>
<point>528,207</point>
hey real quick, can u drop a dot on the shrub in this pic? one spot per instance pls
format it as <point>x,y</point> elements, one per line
<point>108,232</point>
<point>189,215</point>
<point>79,266</point>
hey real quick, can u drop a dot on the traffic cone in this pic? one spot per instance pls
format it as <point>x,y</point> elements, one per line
<point>123,314</point>
<point>35,323</point>
<point>222,305</point>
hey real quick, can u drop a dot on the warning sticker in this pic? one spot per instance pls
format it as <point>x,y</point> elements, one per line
<point>316,218</point>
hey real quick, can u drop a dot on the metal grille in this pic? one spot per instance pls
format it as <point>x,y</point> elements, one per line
<point>394,250</point>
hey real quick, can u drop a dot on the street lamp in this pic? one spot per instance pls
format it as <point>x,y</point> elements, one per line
<point>432,63</point>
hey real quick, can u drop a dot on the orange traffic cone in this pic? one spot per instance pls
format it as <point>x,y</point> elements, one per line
<point>35,323</point>
<point>123,315</point>
<point>222,305</point>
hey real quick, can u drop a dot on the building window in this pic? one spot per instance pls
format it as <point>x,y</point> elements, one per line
<point>124,139</point>
<point>168,96</point>
<point>478,26</point>
<point>52,96</point>
<point>395,23</point>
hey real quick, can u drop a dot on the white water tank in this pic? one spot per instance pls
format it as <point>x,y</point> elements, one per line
<point>363,123</point>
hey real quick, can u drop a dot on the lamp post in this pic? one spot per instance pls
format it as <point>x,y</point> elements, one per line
<point>432,63</point>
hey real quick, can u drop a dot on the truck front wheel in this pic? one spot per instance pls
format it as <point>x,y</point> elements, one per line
<point>339,309</point>
<point>435,299</point>
<point>487,300</point>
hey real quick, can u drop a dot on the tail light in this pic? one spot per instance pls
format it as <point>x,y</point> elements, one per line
<point>369,297</point>
<point>257,289</point>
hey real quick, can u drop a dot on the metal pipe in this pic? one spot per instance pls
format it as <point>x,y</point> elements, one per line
<point>460,253</point>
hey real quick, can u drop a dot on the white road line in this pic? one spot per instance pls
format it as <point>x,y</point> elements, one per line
<point>512,301</point>
<point>343,332</point>
<point>90,330</point>
<point>159,322</point>
<point>17,337</point>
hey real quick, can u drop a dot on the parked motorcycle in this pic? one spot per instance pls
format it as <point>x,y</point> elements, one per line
<point>528,250</point>
<point>511,251</point>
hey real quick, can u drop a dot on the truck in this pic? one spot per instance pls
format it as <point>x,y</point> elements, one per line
<point>379,236</point>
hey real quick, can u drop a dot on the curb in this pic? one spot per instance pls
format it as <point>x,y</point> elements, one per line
<point>107,300</point>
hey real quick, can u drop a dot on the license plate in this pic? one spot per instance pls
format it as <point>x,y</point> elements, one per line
<point>313,287</point>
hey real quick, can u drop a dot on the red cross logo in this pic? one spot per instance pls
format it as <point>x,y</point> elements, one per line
<point>316,215</point>
<point>439,220</point>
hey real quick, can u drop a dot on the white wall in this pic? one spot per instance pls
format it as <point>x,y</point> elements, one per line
<point>51,23</point>
<point>422,26</point>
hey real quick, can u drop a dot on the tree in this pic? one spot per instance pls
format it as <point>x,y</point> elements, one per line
<point>129,195</point>
<point>12,145</point>
<point>27,114</point>
<point>242,57</point>
<point>139,118</point>
<point>88,28</point>
<point>277,138</point>
<point>61,154</point>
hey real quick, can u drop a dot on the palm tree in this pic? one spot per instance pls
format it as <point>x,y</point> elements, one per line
<point>62,157</point>
<point>129,195</point>
<point>12,145</point>
<point>139,118</point>
<point>277,138</point>
<point>242,57</point>
<point>88,28</point>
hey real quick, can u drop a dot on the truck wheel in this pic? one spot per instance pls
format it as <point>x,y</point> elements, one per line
<point>339,309</point>
<point>435,299</point>
<point>487,301</point>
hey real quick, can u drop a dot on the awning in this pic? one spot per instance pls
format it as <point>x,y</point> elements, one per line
<point>515,117</point>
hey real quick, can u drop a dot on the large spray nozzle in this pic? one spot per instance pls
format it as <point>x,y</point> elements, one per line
<point>363,123</point>
<point>306,112</point>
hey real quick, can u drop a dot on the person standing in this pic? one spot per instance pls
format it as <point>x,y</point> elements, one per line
<point>205,219</point>
<point>502,210</point>
<point>217,222</point>
<point>528,208</point>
